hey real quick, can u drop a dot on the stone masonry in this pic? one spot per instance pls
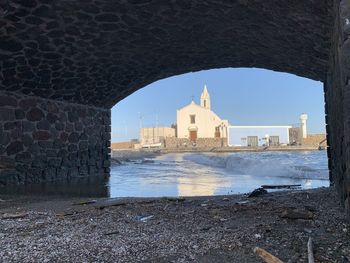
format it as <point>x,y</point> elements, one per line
<point>315,140</point>
<point>97,52</point>
<point>178,143</point>
<point>44,141</point>
<point>337,107</point>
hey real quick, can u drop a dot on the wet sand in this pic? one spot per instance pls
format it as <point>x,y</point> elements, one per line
<point>205,229</point>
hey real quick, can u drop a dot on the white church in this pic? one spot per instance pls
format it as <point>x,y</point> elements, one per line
<point>199,121</point>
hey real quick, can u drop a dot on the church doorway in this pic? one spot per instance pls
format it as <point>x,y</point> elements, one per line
<point>217,132</point>
<point>193,136</point>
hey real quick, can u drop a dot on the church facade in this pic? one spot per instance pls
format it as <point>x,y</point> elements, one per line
<point>199,121</point>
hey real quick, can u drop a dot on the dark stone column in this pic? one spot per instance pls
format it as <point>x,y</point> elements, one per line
<point>45,140</point>
<point>337,93</point>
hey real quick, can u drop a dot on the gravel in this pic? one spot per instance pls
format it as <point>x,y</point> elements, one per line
<point>202,229</point>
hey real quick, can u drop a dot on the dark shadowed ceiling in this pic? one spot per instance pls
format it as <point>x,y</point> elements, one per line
<point>98,52</point>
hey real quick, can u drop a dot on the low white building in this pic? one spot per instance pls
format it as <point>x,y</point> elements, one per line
<point>253,136</point>
<point>198,121</point>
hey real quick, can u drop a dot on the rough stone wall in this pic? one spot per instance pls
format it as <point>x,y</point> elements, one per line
<point>314,140</point>
<point>173,142</point>
<point>44,140</point>
<point>337,107</point>
<point>122,145</point>
<point>345,82</point>
<point>294,135</point>
<point>98,52</point>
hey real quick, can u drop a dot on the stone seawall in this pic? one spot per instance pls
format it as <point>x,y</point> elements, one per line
<point>122,145</point>
<point>173,142</point>
<point>44,140</point>
<point>314,140</point>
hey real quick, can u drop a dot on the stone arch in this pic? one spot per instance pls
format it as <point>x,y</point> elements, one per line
<point>65,63</point>
<point>98,52</point>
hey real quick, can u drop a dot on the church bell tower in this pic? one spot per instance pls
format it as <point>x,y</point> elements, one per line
<point>205,98</point>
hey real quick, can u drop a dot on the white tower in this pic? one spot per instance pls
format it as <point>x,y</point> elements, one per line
<point>205,98</point>
<point>303,119</point>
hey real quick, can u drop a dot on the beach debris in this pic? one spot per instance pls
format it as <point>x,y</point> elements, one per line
<point>297,214</point>
<point>258,192</point>
<point>88,202</point>
<point>242,202</point>
<point>112,233</point>
<point>143,218</point>
<point>173,199</point>
<point>310,252</point>
<point>62,215</point>
<point>121,202</point>
<point>266,256</point>
<point>14,216</point>
<point>257,236</point>
<point>225,199</point>
<point>39,223</point>
<point>282,186</point>
<point>308,230</point>
<point>205,228</point>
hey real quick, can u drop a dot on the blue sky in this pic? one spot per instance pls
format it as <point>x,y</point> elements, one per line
<point>243,96</point>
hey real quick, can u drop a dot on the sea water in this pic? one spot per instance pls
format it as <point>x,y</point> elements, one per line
<point>206,174</point>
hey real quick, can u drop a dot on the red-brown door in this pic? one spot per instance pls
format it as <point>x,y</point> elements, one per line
<point>193,136</point>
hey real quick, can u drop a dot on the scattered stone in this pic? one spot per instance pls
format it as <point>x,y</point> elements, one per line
<point>258,192</point>
<point>143,218</point>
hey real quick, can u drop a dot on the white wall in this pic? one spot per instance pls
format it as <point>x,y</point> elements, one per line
<point>237,133</point>
<point>205,122</point>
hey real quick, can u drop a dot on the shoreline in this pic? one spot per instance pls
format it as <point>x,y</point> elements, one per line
<point>189,229</point>
<point>222,149</point>
<point>242,149</point>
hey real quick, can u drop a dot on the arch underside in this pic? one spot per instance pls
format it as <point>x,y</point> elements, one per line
<point>98,52</point>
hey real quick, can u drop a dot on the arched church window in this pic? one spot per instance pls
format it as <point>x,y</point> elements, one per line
<point>193,119</point>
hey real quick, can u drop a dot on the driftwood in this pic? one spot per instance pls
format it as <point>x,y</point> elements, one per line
<point>88,202</point>
<point>14,216</point>
<point>112,233</point>
<point>282,186</point>
<point>125,201</point>
<point>266,256</point>
<point>297,214</point>
<point>310,252</point>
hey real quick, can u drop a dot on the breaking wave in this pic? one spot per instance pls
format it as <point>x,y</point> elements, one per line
<point>269,164</point>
